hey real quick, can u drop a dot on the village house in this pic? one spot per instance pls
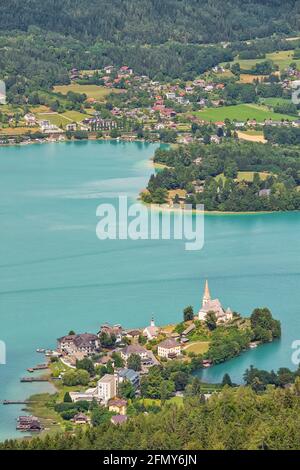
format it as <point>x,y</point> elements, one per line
<point>170,95</point>
<point>209,305</point>
<point>48,128</point>
<point>129,375</point>
<point>133,335</point>
<point>71,127</point>
<point>29,423</point>
<point>264,193</point>
<point>169,349</point>
<point>99,124</point>
<point>81,418</point>
<point>107,388</point>
<point>85,343</point>
<point>115,330</point>
<point>134,349</point>
<point>118,405</point>
<point>30,120</point>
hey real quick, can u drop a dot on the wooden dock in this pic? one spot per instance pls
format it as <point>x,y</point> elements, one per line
<point>33,379</point>
<point>16,402</point>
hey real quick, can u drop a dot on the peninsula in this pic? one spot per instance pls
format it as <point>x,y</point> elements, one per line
<point>117,370</point>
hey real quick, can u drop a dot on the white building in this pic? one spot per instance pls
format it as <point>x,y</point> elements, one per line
<point>88,395</point>
<point>107,388</point>
<point>209,305</point>
<point>152,331</point>
<point>169,349</point>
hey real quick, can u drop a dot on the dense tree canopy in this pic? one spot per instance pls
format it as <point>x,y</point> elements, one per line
<point>154,21</point>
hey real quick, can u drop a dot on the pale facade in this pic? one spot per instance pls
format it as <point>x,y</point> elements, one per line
<point>107,388</point>
<point>213,305</point>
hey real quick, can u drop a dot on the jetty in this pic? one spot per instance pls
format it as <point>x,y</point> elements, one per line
<point>38,367</point>
<point>33,379</point>
<point>16,402</point>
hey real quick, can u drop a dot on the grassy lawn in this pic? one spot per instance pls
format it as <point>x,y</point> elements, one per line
<point>241,112</point>
<point>282,58</point>
<point>99,93</point>
<point>50,420</point>
<point>54,118</point>
<point>74,116</point>
<point>246,176</point>
<point>274,101</point>
<point>152,401</point>
<point>199,347</point>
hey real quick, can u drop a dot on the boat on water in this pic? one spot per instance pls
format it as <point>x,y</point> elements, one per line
<point>41,350</point>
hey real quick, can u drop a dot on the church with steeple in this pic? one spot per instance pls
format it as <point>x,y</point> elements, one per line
<point>213,305</point>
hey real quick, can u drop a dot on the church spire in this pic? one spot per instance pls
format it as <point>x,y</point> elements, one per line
<point>206,296</point>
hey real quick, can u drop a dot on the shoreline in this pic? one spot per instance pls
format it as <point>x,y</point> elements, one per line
<point>161,208</point>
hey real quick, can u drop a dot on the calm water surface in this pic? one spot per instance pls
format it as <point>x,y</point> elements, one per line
<point>55,275</point>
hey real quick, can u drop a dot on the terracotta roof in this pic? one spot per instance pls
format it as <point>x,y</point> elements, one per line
<point>119,419</point>
<point>117,402</point>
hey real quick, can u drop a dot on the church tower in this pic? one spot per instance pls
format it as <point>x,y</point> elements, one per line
<point>206,296</point>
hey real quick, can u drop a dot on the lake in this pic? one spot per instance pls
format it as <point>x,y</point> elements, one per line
<point>55,275</point>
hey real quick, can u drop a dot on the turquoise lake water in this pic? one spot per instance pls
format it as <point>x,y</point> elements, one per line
<point>55,275</point>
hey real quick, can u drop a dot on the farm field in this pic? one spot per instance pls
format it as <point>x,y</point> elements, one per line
<point>252,136</point>
<point>240,112</point>
<point>99,93</point>
<point>248,78</point>
<point>12,131</point>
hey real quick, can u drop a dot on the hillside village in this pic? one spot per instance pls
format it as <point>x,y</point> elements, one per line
<point>115,102</point>
<point>117,369</point>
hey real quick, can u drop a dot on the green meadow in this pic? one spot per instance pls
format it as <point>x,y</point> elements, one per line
<point>282,58</point>
<point>241,112</point>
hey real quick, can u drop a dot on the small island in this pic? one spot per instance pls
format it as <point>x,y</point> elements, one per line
<point>117,373</point>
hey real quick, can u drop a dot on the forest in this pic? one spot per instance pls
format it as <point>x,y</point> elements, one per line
<point>235,176</point>
<point>166,40</point>
<point>196,425</point>
<point>154,21</point>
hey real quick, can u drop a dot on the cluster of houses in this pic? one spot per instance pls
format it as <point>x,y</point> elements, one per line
<point>169,345</point>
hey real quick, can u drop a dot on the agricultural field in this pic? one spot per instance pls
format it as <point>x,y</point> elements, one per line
<point>248,78</point>
<point>98,93</point>
<point>252,136</point>
<point>241,112</point>
<point>14,131</point>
